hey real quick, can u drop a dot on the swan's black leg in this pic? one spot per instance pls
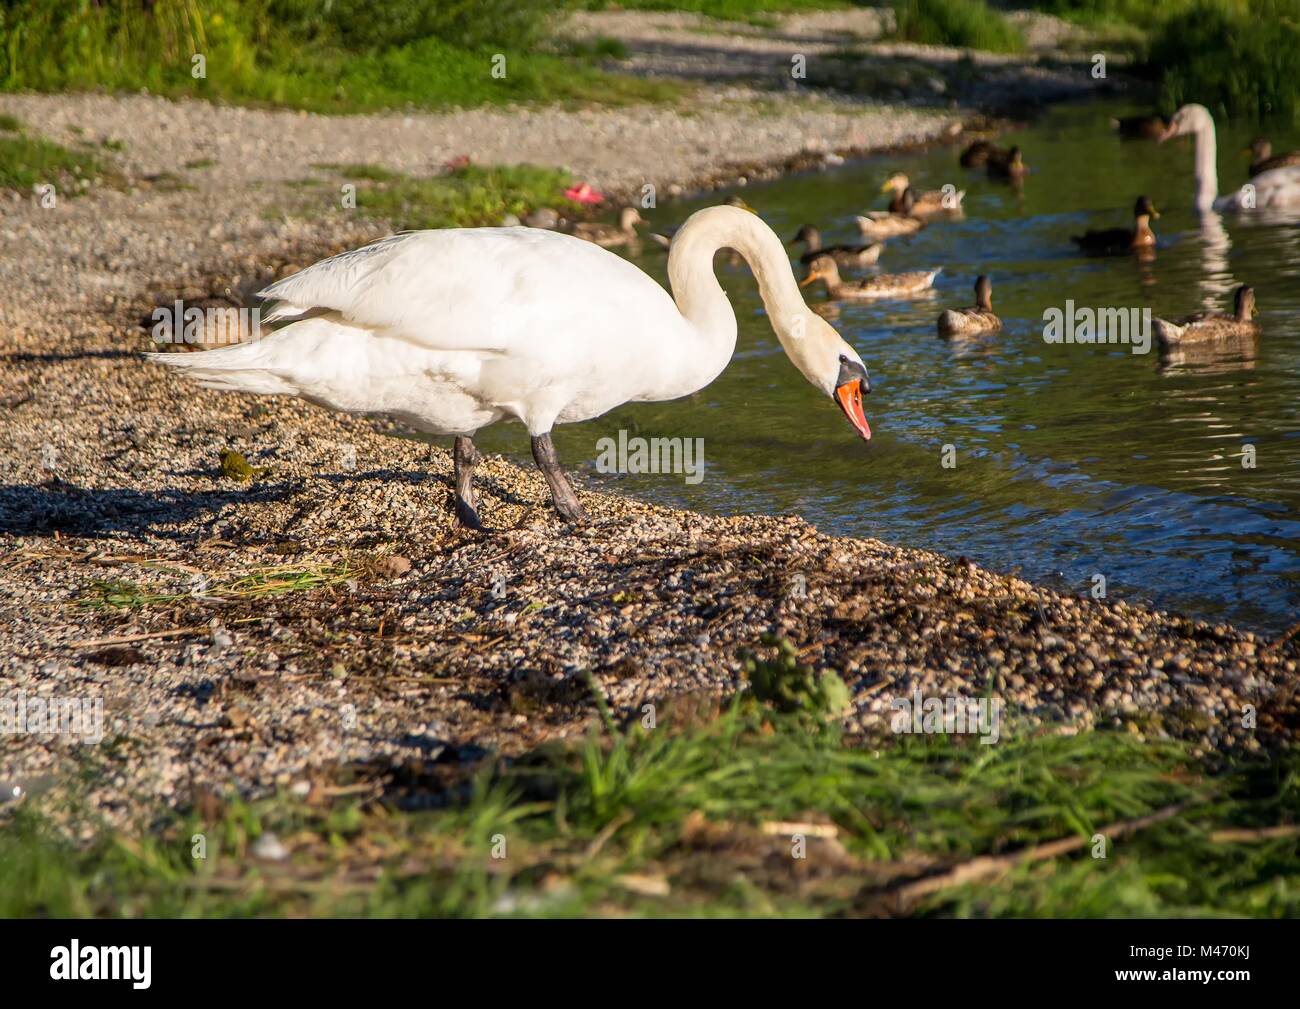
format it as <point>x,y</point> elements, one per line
<point>466,456</point>
<point>566,502</point>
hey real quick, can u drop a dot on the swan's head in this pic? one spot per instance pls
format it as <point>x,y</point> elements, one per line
<point>896,183</point>
<point>1189,119</point>
<point>827,361</point>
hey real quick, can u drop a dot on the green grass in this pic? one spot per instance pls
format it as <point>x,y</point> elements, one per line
<point>28,161</point>
<point>471,196</point>
<point>1235,58</point>
<point>753,11</point>
<point>10,124</point>
<point>371,173</point>
<point>968,23</point>
<point>118,593</point>
<point>695,817</point>
<point>343,56</point>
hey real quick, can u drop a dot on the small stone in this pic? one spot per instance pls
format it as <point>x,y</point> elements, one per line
<point>393,566</point>
<point>269,848</point>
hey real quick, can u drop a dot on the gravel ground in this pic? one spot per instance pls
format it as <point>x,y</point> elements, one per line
<point>428,643</point>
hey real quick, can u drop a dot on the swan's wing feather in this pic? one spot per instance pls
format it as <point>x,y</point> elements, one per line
<point>327,284</point>
<point>484,289</point>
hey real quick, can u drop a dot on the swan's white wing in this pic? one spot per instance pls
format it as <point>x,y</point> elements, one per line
<point>326,283</point>
<point>483,289</point>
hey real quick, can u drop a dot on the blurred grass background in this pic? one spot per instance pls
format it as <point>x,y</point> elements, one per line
<point>1239,57</point>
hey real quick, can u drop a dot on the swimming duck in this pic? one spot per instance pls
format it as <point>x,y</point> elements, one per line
<point>1118,241</point>
<point>976,155</point>
<point>1264,160</point>
<point>878,224</point>
<point>1206,326</point>
<point>926,203</point>
<point>456,329</point>
<point>844,255</point>
<point>1006,164</point>
<point>975,320</point>
<point>1277,188</point>
<point>887,285</point>
<point>611,236</point>
<point>1140,127</point>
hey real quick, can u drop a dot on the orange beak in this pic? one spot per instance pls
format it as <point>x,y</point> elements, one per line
<point>808,280</point>
<point>849,397</point>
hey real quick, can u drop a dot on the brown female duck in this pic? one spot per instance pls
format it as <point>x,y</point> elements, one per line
<point>977,319</point>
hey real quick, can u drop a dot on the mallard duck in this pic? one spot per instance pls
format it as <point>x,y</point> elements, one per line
<point>1206,326</point>
<point>610,236</point>
<point>1140,127</point>
<point>976,155</point>
<point>1275,189</point>
<point>844,255</point>
<point>1006,164</point>
<point>924,204</point>
<point>1264,160</point>
<point>979,318</point>
<point>887,285</point>
<point>879,224</point>
<point>1118,241</point>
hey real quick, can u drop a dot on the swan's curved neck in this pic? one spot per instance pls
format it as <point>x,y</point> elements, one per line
<point>1207,171</point>
<point>701,299</point>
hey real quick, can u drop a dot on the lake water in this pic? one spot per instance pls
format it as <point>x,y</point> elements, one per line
<point>1069,460</point>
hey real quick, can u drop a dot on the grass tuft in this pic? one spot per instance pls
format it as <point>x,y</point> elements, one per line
<point>31,161</point>
<point>968,23</point>
<point>468,197</point>
<point>253,584</point>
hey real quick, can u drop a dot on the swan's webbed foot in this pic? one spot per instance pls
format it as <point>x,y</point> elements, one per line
<point>566,502</point>
<point>466,457</point>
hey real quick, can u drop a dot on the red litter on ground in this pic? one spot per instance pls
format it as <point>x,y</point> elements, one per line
<point>583,193</point>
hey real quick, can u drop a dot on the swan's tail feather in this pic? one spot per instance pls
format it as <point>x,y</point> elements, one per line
<point>241,368</point>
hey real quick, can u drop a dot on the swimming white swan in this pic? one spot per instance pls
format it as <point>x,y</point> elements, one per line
<point>1275,189</point>
<point>453,330</point>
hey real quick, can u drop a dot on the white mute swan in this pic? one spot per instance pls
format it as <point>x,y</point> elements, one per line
<point>452,330</point>
<point>1274,189</point>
